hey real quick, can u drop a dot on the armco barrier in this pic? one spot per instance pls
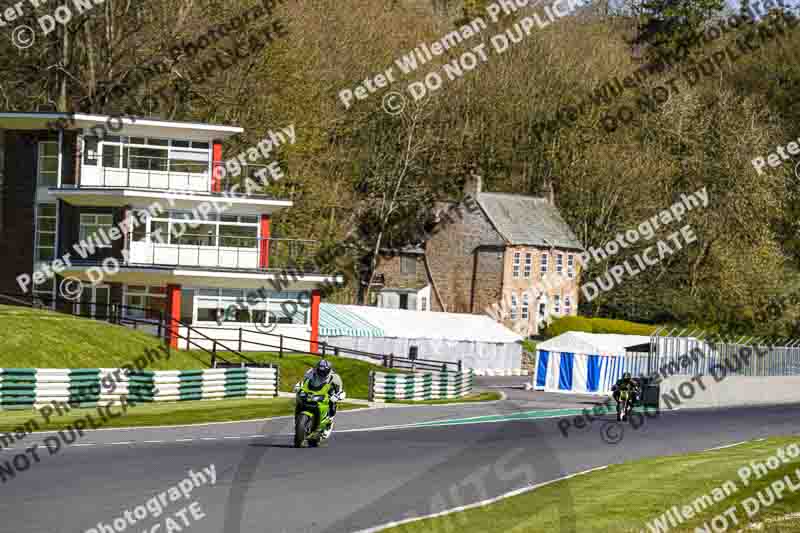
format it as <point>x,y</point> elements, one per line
<point>421,386</point>
<point>88,387</point>
<point>731,391</point>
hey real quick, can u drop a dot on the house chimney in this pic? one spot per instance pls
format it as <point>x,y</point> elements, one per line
<point>473,185</point>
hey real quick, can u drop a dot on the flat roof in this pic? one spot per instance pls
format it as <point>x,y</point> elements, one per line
<point>13,120</point>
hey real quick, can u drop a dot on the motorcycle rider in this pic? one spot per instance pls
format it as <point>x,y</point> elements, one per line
<point>629,384</point>
<point>321,374</point>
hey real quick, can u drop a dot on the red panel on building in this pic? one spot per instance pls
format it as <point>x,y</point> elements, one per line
<point>263,256</point>
<point>173,313</point>
<point>216,160</point>
<point>315,299</point>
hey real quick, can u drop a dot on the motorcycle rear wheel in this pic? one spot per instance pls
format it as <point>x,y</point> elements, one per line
<point>302,424</point>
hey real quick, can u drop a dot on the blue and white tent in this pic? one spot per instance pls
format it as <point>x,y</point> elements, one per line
<point>586,363</point>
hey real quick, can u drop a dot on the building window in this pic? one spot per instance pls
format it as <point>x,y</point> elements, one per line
<point>90,151</point>
<point>567,305</point>
<point>513,306</point>
<point>544,263</point>
<point>91,224</point>
<point>240,305</point>
<point>404,301</point>
<point>46,292</point>
<point>528,263</point>
<point>570,265</point>
<point>559,264</point>
<point>525,304</point>
<point>516,264</point>
<point>152,154</point>
<point>542,309</point>
<point>408,265</point>
<point>48,164</point>
<point>557,304</point>
<point>181,228</point>
<point>423,303</point>
<point>45,232</point>
<point>147,303</point>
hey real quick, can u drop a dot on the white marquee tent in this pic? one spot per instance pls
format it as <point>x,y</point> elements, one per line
<point>477,340</point>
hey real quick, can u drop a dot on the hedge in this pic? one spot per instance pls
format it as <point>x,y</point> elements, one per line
<point>597,325</point>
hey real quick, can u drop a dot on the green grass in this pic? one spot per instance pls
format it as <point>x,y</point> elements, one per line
<point>32,338</point>
<point>488,396</point>
<point>624,498</point>
<point>165,414</point>
<point>354,373</point>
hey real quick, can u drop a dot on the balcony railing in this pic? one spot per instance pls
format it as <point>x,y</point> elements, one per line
<point>161,173</point>
<point>266,254</point>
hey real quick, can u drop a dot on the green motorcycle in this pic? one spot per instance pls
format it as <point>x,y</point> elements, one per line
<point>625,405</point>
<point>312,412</point>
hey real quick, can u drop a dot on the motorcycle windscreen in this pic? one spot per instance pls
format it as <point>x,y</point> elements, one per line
<point>316,382</point>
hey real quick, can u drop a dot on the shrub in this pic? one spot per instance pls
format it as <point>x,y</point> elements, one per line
<point>596,325</point>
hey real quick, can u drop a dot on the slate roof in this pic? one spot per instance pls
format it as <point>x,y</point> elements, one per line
<point>527,220</point>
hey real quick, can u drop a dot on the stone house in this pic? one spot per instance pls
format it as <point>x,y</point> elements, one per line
<point>507,255</point>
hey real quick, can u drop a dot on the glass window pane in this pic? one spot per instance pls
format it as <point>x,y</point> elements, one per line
<point>111,156</point>
<point>148,159</point>
<point>180,144</point>
<point>49,148</point>
<point>137,140</point>
<point>45,254</point>
<point>158,142</point>
<point>196,144</point>
<point>47,210</point>
<point>238,236</point>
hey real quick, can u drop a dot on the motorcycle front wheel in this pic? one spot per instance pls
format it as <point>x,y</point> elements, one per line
<point>302,424</point>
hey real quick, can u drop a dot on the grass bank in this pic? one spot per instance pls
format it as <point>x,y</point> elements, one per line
<point>33,338</point>
<point>164,414</point>
<point>629,497</point>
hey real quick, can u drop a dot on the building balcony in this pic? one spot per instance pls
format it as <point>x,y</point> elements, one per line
<point>163,174</point>
<point>144,263</point>
<point>259,254</point>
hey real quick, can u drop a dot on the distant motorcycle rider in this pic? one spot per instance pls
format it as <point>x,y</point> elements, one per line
<point>629,384</point>
<point>321,374</point>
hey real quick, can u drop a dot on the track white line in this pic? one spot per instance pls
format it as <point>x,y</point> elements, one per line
<point>478,504</point>
<point>727,446</point>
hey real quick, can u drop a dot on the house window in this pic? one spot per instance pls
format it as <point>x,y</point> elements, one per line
<point>570,265</point>
<point>528,263</point>
<point>48,164</point>
<point>408,264</point>
<point>567,305</point>
<point>542,309</point>
<point>45,232</point>
<point>525,304</point>
<point>557,304</point>
<point>513,306</point>
<point>423,303</point>
<point>516,265</point>
<point>544,263</point>
<point>147,303</point>
<point>91,224</point>
<point>560,264</point>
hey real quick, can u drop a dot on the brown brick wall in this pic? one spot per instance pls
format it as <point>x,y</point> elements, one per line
<point>389,266</point>
<point>550,284</point>
<point>463,258</point>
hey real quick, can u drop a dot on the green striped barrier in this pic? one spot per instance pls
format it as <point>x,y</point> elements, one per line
<point>420,386</point>
<point>23,388</point>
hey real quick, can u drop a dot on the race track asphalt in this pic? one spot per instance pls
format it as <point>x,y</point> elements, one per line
<point>361,478</point>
